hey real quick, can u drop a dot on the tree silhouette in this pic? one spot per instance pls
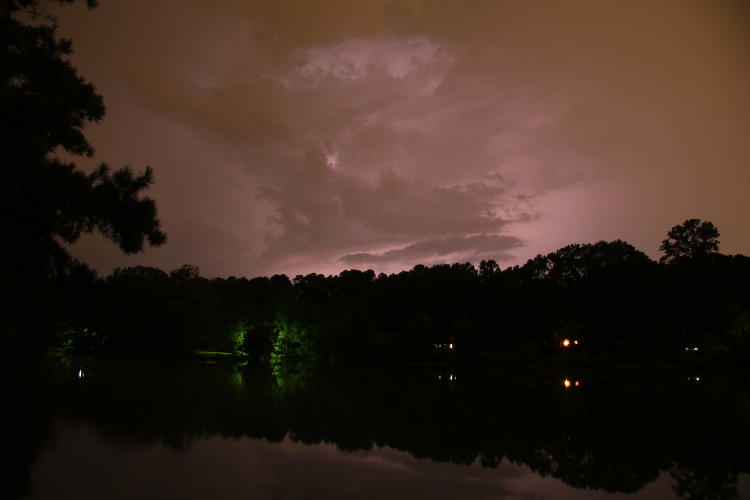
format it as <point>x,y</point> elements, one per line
<point>692,238</point>
<point>45,201</point>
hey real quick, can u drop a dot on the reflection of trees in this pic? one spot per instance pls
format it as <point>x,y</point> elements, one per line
<point>614,433</point>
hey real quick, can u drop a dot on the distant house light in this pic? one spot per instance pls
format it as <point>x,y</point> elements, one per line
<point>444,346</point>
<point>567,383</point>
<point>566,343</point>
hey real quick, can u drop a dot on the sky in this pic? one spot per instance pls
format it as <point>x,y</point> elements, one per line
<point>299,136</point>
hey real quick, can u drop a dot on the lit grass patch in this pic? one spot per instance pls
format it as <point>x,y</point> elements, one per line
<point>215,354</point>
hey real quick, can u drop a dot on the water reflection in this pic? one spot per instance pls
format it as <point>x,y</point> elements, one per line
<point>520,432</point>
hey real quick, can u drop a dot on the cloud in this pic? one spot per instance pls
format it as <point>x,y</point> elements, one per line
<point>475,247</point>
<point>354,59</point>
<point>320,210</point>
<point>367,127</point>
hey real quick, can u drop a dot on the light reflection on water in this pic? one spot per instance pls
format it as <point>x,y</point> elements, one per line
<point>166,429</point>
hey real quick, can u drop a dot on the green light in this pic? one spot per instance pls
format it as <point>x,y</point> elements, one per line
<point>292,341</point>
<point>237,339</point>
<point>214,354</point>
<point>238,379</point>
<point>78,338</point>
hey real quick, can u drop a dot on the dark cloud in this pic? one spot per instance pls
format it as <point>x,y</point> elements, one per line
<point>324,210</point>
<point>475,247</point>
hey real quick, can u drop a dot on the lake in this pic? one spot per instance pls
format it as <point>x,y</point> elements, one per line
<point>94,428</point>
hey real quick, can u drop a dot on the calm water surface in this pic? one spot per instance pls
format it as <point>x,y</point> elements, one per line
<point>94,429</point>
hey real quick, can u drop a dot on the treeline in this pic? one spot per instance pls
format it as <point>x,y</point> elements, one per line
<point>602,300</point>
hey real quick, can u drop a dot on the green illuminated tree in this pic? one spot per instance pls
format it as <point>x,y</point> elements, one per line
<point>693,238</point>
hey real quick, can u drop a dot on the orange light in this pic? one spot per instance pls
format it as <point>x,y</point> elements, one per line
<point>566,383</point>
<point>575,342</point>
<point>577,383</point>
<point>566,342</point>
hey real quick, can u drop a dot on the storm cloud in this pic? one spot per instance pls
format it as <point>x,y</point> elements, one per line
<point>303,137</point>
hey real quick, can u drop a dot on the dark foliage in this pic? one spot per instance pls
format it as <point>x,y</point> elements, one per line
<point>45,201</point>
<point>689,240</point>
<point>609,300</point>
